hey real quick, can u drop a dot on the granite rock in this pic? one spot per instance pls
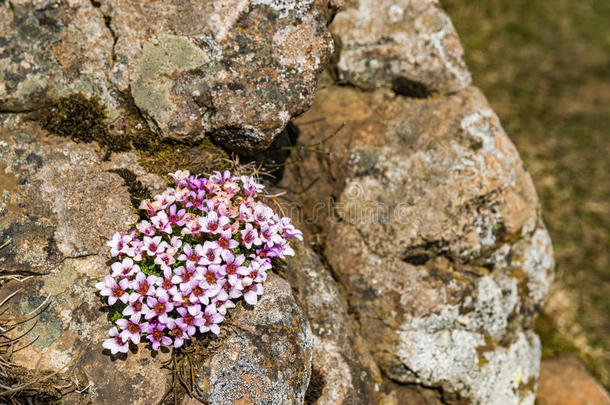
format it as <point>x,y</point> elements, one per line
<point>409,45</point>
<point>428,219</point>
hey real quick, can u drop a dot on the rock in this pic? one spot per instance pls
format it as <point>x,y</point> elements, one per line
<point>347,372</point>
<point>565,381</point>
<point>61,209</point>
<point>60,205</point>
<point>432,225</point>
<point>410,45</point>
<point>238,71</point>
<point>51,49</point>
<point>265,357</point>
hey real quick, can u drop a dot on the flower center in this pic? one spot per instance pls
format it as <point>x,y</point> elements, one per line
<point>167,284</point>
<point>177,332</point>
<point>213,226</point>
<point>133,327</point>
<point>159,308</point>
<point>143,288</point>
<point>231,268</point>
<point>157,334</point>
<point>117,292</point>
<point>210,255</point>
<point>223,243</point>
<point>208,319</point>
<point>189,319</point>
<point>197,291</point>
<point>210,278</point>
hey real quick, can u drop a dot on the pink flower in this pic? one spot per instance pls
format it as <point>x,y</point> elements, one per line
<point>131,328</point>
<point>134,306</point>
<point>210,254</point>
<point>190,319</point>
<point>232,266</point>
<point>269,235</point>
<point>249,236</point>
<point>183,276</point>
<point>196,199</point>
<point>252,293</point>
<point>143,284</point>
<point>161,222</point>
<point>175,215</point>
<point>221,305</point>
<point>158,307</point>
<point>153,246</point>
<point>164,200</point>
<point>165,260</point>
<point>211,319</point>
<point>198,295</point>
<point>289,231</point>
<point>124,269</point>
<point>150,209</point>
<point>233,291</point>
<point>119,244</point>
<point>212,280</point>
<point>212,223</point>
<point>157,337</point>
<point>245,214</point>
<point>254,273</point>
<point>190,255</point>
<point>262,213</point>
<point>113,290</point>
<point>178,332</point>
<point>181,178</point>
<point>250,186</point>
<point>145,228</point>
<point>116,343</point>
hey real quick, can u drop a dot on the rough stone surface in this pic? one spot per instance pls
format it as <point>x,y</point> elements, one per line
<point>60,204</point>
<point>349,374</point>
<point>51,49</point>
<point>237,70</point>
<point>565,381</point>
<point>266,357</point>
<point>385,42</point>
<point>432,225</point>
<point>57,213</point>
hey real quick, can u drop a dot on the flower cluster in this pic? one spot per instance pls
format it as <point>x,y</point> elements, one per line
<point>207,243</point>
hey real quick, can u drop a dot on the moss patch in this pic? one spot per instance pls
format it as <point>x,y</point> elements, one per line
<point>162,157</point>
<point>85,120</point>
<point>82,119</point>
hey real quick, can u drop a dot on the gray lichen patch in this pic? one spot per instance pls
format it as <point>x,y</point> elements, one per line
<point>164,58</point>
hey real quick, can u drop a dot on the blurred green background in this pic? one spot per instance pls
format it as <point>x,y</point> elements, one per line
<point>545,68</point>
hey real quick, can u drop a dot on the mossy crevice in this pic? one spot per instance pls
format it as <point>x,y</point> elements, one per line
<point>83,120</point>
<point>137,190</point>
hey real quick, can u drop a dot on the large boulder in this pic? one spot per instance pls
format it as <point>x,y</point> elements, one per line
<point>57,216</point>
<point>429,220</point>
